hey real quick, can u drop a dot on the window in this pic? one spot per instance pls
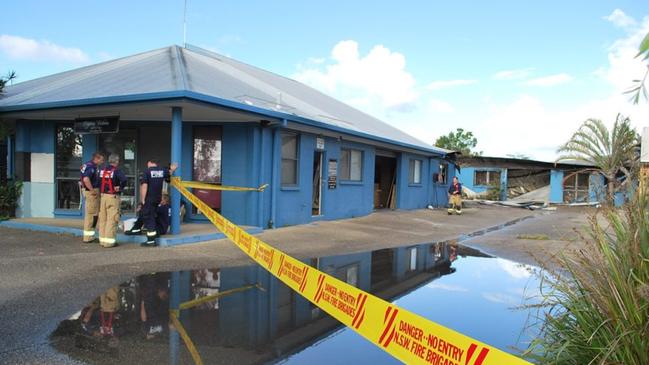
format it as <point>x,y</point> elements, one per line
<point>412,259</point>
<point>415,172</point>
<point>443,173</point>
<point>575,187</point>
<point>348,274</point>
<point>482,177</point>
<point>69,151</point>
<point>289,159</point>
<point>351,164</point>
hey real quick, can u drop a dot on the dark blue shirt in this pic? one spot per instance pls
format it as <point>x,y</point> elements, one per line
<point>154,177</point>
<point>162,218</point>
<point>110,178</point>
<point>453,190</point>
<point>89,170</point>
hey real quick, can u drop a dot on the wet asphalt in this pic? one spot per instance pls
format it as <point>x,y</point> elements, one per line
<point>45,278</point>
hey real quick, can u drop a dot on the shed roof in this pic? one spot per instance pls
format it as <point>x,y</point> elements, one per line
<point>518,163</point>
<point>204,75</point>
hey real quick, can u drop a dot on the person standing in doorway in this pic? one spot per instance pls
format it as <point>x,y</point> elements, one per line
<point>112,184</point>
<point>151,184</point>
<point>89,182</point>
<point>455,197</point>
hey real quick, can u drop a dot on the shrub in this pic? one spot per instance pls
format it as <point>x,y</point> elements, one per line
<point>9,196</point>
<point>598,303</point>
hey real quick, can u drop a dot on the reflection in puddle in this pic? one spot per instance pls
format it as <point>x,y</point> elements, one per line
<point>266,321</point>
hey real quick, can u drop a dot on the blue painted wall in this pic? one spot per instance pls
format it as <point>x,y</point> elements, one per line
<point>467,175</point>
<point>348,199</point>
<point>35,136</point>
<point>248,160</point>
<point>413,196</point>
<point>556,186</point>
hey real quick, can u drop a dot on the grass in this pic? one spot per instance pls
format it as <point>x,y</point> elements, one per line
<point>596,308</point>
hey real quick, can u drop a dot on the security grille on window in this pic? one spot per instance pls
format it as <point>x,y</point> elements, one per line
<point>351,164</point>
<point>486,177</point>
<point>415,172</point>
<point>443,172</point>
<point>289,159</point>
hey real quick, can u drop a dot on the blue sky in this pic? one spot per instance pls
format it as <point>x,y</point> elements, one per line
<point>521,76</point>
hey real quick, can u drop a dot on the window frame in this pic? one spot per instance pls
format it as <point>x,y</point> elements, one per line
<point>66,211</point>
<point>445,174</point>
<point>348,178</point>
<point>412,165</point>
<point>295,185</point>
<point>489,174</point>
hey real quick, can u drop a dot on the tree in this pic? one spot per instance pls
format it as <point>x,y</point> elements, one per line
<point>460,140</point>
<point>5,80</point>
<point>639,87</point>
<point>612,152</point>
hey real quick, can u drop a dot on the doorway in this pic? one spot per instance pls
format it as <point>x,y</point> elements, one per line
<point>316,202</point>
<point>124,144</point>
<point>385,182</point>
<point>206,164</point>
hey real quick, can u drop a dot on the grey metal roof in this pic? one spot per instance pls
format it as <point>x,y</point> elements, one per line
<point>199,71</point>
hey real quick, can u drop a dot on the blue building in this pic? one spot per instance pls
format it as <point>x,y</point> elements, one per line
<point>224,122</point>
<point>508,178</point>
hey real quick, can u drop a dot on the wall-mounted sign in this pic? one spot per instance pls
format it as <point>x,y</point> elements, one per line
<point>319,143</point>
<point>96,125</point>
<point>332,173</point>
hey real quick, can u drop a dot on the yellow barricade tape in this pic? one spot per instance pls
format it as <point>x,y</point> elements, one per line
<point>196,302</point>
<point>199,185</point>
<point>173,316</point>
<point>407,336</point>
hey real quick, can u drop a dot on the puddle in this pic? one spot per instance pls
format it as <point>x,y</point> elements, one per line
<point>266,322</point>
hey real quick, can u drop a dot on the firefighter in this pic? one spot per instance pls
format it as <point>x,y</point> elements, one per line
<point>455,197</point>
<point>111,186</point>
<point>151,184</point>
<point>89,182</point>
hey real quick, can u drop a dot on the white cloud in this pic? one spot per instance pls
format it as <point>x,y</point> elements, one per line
<point>620,19</point>
<point>515,270</point>
<point>380,75</point>
<point>502,298</point>
<point>21,48</point>
<point>439,106</point>
<point>516,74</point>
<point>437,85</point>
<point>447,287</point>
<point>548,126</point>
<point>551,80</point>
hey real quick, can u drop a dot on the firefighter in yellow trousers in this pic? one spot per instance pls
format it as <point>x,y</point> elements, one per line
<point>112,184</point>
<point>89,182</point>
<point>455,197</point>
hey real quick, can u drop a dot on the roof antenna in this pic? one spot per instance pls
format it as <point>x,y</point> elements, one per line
<point>185,26</point>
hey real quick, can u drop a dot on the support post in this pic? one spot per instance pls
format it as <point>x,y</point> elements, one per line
<point>174,303</point>
<point>176,154</point>
<point>260,196</point>
<point>274,185</point>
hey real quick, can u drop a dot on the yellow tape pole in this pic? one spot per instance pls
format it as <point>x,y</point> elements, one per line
<point>405,335</point>
<point>183,334</point>
<point>199,185</point>
<point>209,298</point>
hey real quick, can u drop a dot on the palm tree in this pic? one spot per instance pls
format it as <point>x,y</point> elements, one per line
<point>611,151</point>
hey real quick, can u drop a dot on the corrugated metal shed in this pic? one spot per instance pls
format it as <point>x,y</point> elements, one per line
<point>174,68</point>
